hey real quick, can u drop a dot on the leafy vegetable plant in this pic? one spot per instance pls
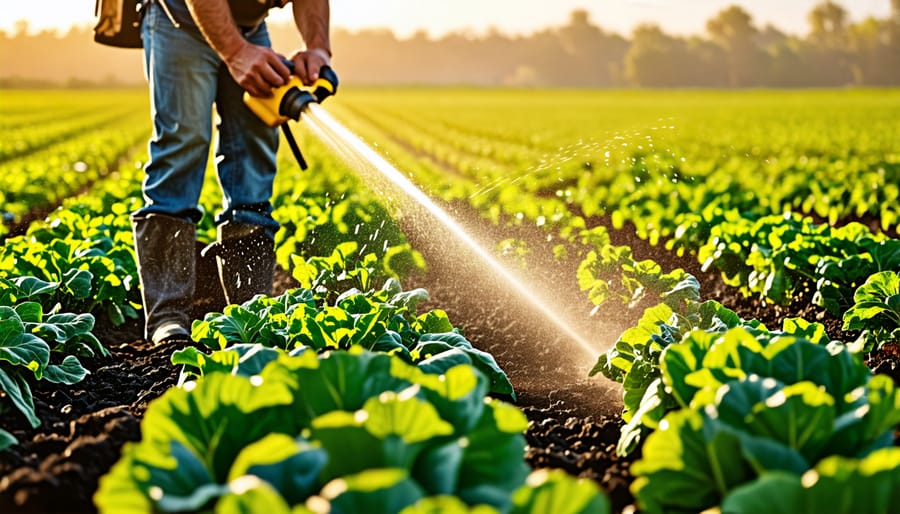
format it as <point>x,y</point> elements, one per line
<point>755,403</point>
<point>609,272</point>
<point>838,485</point>
<point>635,362</point>
<point>838,278</point>
<point>384,320</point>
<point>28,338</point>
<point>91,256</point>
<point>876,311</point>
<point>341,432</point>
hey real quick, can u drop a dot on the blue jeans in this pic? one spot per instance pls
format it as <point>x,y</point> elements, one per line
<point>186,77</point>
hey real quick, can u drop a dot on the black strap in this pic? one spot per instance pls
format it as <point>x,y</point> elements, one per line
<point>293,144</point>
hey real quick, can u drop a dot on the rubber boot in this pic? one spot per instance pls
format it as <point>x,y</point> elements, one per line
<point>245,255</point>
<point>165,258</point>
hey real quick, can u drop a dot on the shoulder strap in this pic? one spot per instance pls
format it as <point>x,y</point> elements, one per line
<point>162,3</point>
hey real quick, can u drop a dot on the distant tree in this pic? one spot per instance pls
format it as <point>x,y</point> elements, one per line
<point>591,53</point>
<point>770,36</point>
<point>733,52</point>
<point>547,58</point>
<point>828,50</point>
<point>709,64</point>
<point>648,61</point>
<point>864,38</point>
<point>876,48</point>
<point>655,59</point>
<point>783,65</point>
<point>828,24</point>
<point>786,66</point>
<point>21,28</point>
<point>733,30</point>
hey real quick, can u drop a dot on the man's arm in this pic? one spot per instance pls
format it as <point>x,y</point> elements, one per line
<point>313,21</point>
<point>255,68</point>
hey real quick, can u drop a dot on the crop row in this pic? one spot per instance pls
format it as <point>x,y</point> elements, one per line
<point>651,176</point>
<point>343,432</point>
<point>24,140</point>
<point>725,410</point>
<point>28,109</point>
<point>619,135</point>
<point>407,421</point>
<point>711,208</point>
<point>810,174</point>
<point>41,172</point>
<point>701,384</point>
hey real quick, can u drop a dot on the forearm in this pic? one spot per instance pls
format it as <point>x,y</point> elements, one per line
<point>255,68</point>
<point>214,19</point>
<point>313,21</point>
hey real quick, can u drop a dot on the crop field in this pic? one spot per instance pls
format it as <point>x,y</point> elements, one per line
<point>712,321</point>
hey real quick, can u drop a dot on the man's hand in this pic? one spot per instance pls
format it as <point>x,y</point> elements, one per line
<point>257,69</point>
<point>307,64</point>
<point>313,20</point>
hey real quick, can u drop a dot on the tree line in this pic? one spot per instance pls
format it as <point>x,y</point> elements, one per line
<point>733,52</point>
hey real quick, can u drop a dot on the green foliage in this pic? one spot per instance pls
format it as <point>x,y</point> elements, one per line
<point>384,320</point>
<point>838,485</point>
<point>753,403</point>
<point>685,468</point>
<point>345,269</point>
<point>544,491</point>
<point>876,310</point>
<point>669,358</point>
<point>339,221</point>
<point>609,272</point>
<point>27,339</point>
<point>6,439</point>
<point>88,253</point>
<point>360,431</point>
<point>46,160</point>
<point>635,362</point>
<point>840,277</point>
<point>744,204</point>
<point>779,256</point>
<point>555,491</point>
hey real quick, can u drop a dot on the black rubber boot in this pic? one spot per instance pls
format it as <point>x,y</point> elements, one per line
<point>165,257</point>
<point>246,259</point>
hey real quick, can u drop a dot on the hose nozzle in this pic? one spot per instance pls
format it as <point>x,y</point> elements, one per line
<point>288,101</point>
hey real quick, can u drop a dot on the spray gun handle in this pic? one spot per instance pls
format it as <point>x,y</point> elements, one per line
<point>326,85</point>
<point>289,63</point>
<point>289,100</point>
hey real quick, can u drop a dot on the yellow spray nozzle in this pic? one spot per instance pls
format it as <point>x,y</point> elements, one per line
<point>287,102</point>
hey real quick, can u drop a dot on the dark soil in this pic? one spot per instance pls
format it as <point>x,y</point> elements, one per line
<point>56,467</point>
<point>574,419</point>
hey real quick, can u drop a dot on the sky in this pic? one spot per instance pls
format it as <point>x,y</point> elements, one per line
<point>438,17</point>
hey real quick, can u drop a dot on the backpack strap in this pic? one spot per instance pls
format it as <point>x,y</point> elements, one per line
<point>165,8</point>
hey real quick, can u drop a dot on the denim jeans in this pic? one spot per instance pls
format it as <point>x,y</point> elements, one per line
<point>186,77</point>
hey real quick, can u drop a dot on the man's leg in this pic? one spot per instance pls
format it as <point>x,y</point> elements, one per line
<point>246,168</point>
<point>164,246</point>
<point>182,73</point>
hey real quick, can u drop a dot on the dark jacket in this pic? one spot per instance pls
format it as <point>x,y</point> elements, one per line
<point>246,13</point>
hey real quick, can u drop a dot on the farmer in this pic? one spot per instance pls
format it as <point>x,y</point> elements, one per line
<point>199,53</point>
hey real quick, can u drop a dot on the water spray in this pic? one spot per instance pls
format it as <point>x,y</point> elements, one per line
<point>289,101</point>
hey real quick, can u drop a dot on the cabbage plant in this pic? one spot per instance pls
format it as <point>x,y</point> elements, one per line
<point>357,431</point>
<point>752,404</point>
